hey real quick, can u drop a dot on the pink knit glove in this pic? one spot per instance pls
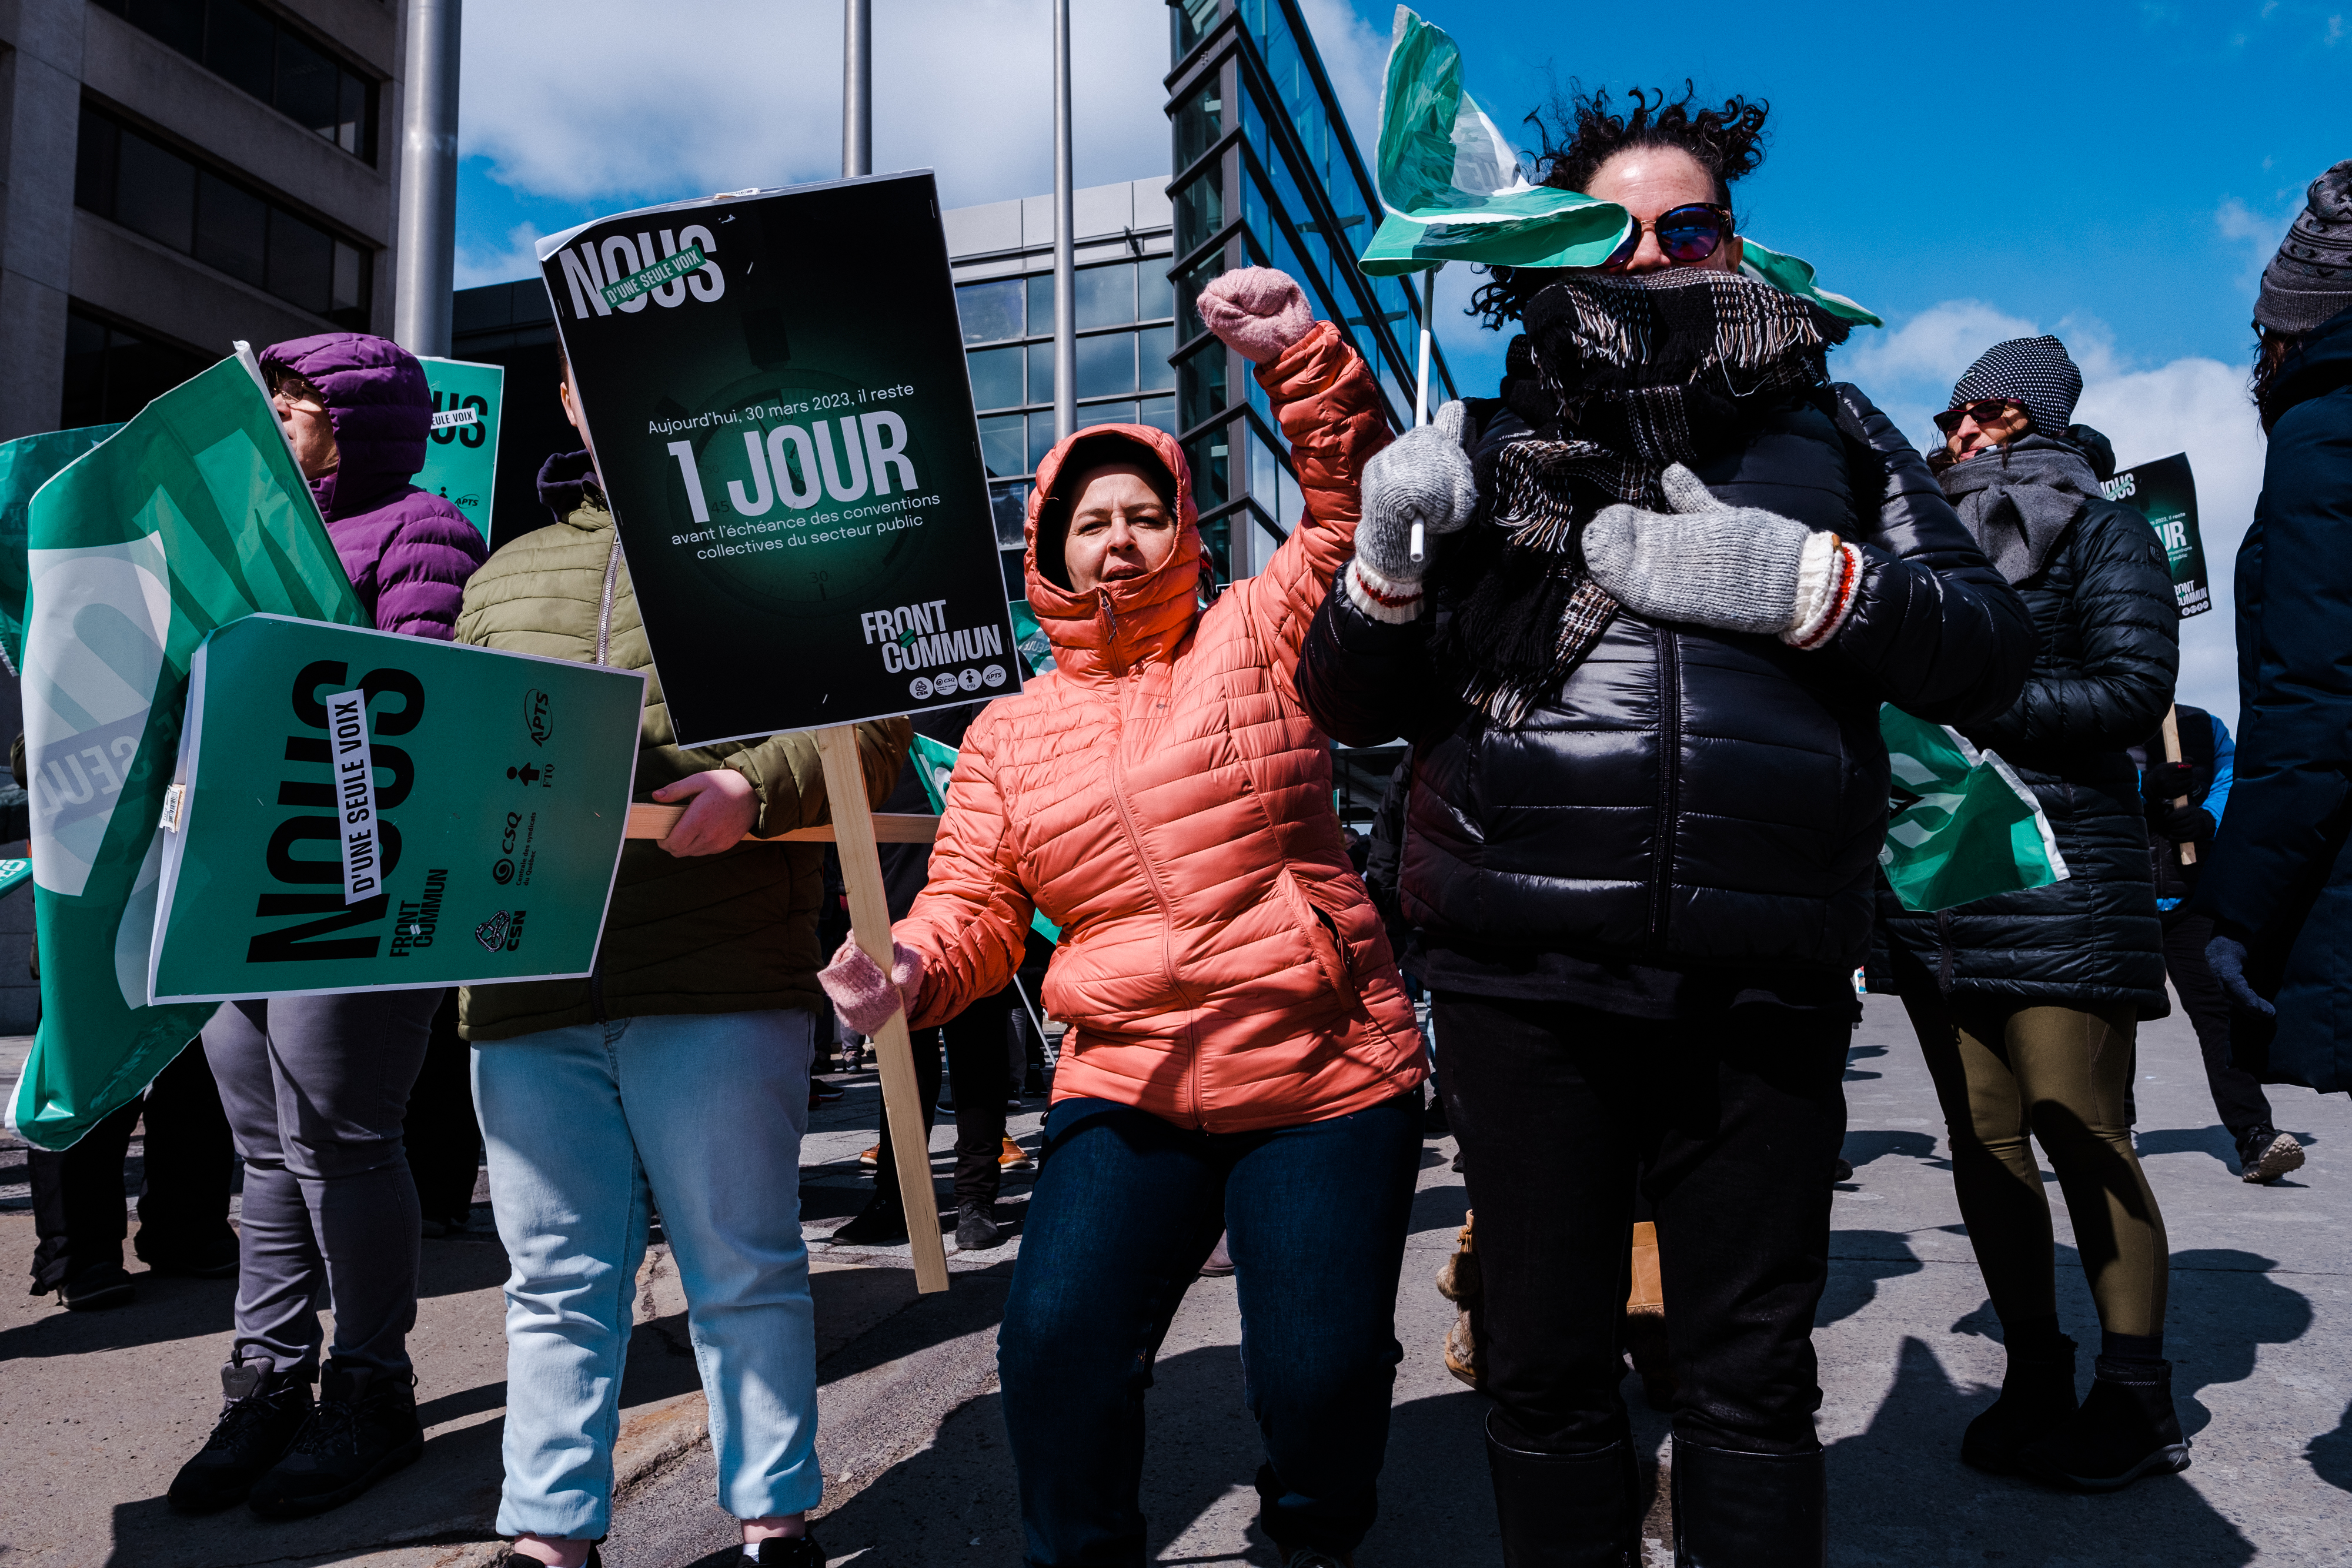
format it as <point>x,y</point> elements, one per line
<point>862,994</point>
<point>1257,311</point>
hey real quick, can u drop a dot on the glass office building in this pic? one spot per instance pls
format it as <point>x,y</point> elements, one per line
<point>1266,174</point>
<point>1003,259</point>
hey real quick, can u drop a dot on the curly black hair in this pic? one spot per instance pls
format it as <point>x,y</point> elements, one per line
<point>1728,143</point>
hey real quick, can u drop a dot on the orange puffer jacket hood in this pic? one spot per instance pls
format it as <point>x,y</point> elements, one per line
<point>1163,797</point>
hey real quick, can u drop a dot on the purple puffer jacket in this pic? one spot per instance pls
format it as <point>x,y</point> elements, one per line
<point>408,554</point>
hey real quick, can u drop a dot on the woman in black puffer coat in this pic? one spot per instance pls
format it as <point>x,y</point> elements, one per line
<point>2026,1005</point>
<point>1646,799</point>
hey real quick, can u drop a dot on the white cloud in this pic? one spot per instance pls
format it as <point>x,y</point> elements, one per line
<point>477,265</point>
<point>2193,405</point>
<point>2198,406</point>
<point>612,107</point>
<point>1356,58</point>
<point>2256,234</point>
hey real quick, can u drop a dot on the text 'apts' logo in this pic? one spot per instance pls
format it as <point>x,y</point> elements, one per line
<point>539,716</point>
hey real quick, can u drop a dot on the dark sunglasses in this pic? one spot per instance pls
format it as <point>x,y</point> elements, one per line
<point>1686,234</point>
<point>1984,410</point>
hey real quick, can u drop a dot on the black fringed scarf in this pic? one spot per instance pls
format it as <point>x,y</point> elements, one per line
<point>1616,377</point>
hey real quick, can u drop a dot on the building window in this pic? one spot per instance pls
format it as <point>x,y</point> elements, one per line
<point>250,48</point>
<point>112,373</point>
<point>150,189</point>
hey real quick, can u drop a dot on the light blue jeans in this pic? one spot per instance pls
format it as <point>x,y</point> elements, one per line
<point>709,1111</point>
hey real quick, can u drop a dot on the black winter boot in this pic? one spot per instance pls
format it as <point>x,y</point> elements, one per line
<point>2037,1393</point>
<point>2125,1430</point>
<point>881,1223</point>
<point>261,1411</point>
<point>364,1428</point>
<point>1564,1511</point>
<point>1735,1509</point>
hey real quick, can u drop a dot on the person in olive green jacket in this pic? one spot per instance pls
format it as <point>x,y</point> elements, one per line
<point>678,1071</point>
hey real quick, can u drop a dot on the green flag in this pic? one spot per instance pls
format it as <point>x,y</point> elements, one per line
<point>26,464</point>
<point>191,517</point>
<point>1964,826</point>
<point>1452,188</point>
<point>934,766</point>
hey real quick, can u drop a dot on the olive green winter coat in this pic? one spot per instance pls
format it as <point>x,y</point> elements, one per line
<point>718,934</point>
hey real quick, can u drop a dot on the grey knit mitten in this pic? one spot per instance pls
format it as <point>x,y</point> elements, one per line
<point>1739,569</point>
<point>1423,476</point>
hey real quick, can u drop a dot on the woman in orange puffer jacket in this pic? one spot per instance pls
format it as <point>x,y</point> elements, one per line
<point>1241,1056</point>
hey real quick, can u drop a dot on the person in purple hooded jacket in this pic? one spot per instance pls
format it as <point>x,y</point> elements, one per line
<point>316,1087</point>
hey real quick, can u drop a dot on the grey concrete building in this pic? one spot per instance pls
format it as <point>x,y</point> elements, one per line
<point>181,173</point>
<point>174,175</point>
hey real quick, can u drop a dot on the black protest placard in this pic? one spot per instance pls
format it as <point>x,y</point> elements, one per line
<point>775,393</point>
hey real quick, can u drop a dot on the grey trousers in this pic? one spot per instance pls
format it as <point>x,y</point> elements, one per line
<point>315,1088</point>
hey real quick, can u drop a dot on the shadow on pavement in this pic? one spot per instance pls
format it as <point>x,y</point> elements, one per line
<point>1898,1493</point>
<point>2331,1454</point>
<point>2224,1307</point>
<point>1859,1260</point>
<point>1864,1148</point>
<point>2213,1140</point>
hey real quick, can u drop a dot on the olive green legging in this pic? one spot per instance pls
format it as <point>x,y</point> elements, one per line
<point>2060,1075</point>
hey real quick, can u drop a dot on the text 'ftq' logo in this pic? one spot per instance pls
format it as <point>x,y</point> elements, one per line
<point>618,273</point>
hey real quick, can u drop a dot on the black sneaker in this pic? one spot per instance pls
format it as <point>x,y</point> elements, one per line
<point>976,1228</point>
<point>2125,1429</point>
<point>514,1559</point>
<point>261,1411</point>
<point>2265,1154</point>
<point>881,1223</point>
<point>788,1551</point>
<point>95,1288</point>
<point>364,1428</point>
<point>213,1259</point>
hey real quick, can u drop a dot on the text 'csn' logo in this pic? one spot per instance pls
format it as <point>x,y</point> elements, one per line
<point>501,932</point>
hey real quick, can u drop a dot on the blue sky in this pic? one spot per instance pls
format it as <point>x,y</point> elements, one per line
<point>2115,173</point>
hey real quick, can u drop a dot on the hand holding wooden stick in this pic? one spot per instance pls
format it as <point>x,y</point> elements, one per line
<point>2172,753</point>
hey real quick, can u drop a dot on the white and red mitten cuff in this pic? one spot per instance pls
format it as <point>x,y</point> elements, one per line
<point>1829,575</point>
<point>1376,596</point>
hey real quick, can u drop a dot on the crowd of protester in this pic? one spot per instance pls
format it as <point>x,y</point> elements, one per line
<point>1634,617</point>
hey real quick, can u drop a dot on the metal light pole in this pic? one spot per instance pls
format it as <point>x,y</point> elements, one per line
<point>1066,314</point>
<point>857,88</point>
<point>428,178</point>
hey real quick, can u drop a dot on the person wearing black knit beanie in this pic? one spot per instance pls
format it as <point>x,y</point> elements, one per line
<point>2027,1004</point>
<point>2275,943</point>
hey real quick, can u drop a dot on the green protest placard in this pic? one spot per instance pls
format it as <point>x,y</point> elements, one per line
<point>26,465</point>
<point>776,396</point>
<point>461,463</point>
<point>2164,492</point>
<point>14,875</point>
<point>355,810</point>
<point>1964,826</point>
<point>191,517</point>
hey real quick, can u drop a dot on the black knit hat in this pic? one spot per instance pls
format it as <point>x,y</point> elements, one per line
<point>2310,278</point>
<point>2036,371</point>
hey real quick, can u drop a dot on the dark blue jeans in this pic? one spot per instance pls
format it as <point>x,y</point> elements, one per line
<point>1126,1209</point>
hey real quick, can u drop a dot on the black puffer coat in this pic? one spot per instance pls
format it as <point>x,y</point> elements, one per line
<point>2108,647</point>
<point>1692,798</point>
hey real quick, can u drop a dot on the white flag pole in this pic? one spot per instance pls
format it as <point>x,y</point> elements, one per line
<point>1414,547</point>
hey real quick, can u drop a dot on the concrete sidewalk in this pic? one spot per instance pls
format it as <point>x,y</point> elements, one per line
<point>96,1411</point>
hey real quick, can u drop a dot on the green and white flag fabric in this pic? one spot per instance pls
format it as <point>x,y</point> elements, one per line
<point>935,764</point>
<point>194,515</point>
<point>1453,189</point>
<point>26,465</point>
<point>1964,826</point>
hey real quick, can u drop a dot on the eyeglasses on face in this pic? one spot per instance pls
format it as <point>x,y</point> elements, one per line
<point>1686,234</point>
<point>1984,410</point>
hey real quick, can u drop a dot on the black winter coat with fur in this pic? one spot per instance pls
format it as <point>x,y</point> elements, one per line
<point>1692,800</point>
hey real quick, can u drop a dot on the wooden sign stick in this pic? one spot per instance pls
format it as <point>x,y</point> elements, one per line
<point>869,923</point>
<point>2172,753</point>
